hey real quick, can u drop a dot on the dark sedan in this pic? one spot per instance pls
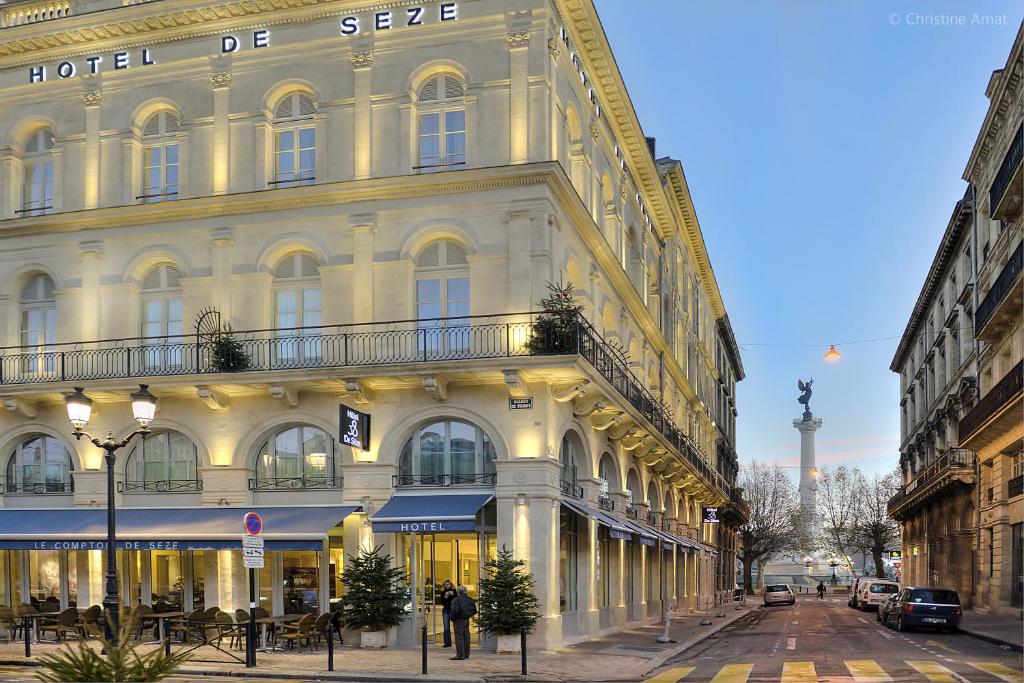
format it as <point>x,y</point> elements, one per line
<point>883,609</point>
<point>937,608</point>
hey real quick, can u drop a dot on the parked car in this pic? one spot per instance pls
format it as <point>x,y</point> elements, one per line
<point>874,593</point>
<point>937,608</point>
<point>858,585</point>
<point>779,594</point>
<point>883,609</point>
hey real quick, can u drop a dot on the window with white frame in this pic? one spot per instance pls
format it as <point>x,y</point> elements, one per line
<point>38,309</point>
<point>40,464</point>
<point>162,462</point>
<point>37,189</point>
<point>441,125</point>
<point>294,141</point>
<point>162,317</point>
<point>447,452</point>
<point>160,158</point>
<point>297,307</point>
<point>442,298</point>
<point>301,456</point>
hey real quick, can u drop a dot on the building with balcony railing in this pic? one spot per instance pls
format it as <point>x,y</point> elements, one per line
<point>268,224</point>
<point>994,427</point>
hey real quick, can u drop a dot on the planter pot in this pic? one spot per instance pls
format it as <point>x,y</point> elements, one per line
<point>373,639</point>
<point>508,645</point>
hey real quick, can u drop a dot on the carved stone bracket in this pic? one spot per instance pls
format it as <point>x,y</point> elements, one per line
<point>362,60</point>
<point>622,431</point>
<point>357,391</point>
<point>604,421</point>
<point>214,400</point>
<point>634,441</point>
<point>287,394</point>
<point>553,48</point>
<point>563,393</point>
<point>220,80</point>
<point>514,384</point>
<point>584,406</point>
<point>92,98</point>
<point>517,39</point>
<point>20,406</point>
<point>437,387</point>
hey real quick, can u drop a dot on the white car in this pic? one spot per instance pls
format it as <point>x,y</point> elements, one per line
<point>778,594</point>
<point>872,593</point>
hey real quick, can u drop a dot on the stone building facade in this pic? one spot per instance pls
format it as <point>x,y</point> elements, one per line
<point>268,211</point>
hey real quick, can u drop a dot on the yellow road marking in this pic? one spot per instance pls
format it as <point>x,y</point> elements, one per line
<point>733,673</point>
<point>999,671</point>
<point>942,646</point>
<point>799,672</point>
<point>933,671</point>
<point>866,671</point>
<point>671,675</point>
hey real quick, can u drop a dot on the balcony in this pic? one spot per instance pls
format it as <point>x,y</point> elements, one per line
<point>1005,195</point>
<point>996,412</point>
<point>161,486</point>
<point>632,512</point>
<point>330,348</point>
<point>1003,302</point>
<point>445,480</point>
<point>951,470</point>
<point>606,504</point>
<point>293,483</point>
<point>1015,486</point>
<point>37,488</point>
<point>570,488</point>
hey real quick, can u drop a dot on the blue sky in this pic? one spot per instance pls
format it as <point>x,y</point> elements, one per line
<point>824,144</point>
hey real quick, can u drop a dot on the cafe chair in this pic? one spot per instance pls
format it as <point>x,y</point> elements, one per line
<point>242,619</point>
<point>180,627</point>
<point>144,620</point>
<point>321,626</point>
<point>89,623</point>
<point>302,630</point>
<point>65,623</point>
<point>9,622</point>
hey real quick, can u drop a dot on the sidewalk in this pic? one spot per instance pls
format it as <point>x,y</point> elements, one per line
<point>623,656</point>
<point>1001,630</point>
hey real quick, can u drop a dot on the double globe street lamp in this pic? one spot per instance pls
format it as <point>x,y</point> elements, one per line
<point>79,411</point>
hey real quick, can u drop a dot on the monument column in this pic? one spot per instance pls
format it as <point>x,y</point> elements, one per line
<point>807,426</point>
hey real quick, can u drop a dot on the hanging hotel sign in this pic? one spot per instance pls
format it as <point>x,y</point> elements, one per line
<point>355,428</point>
<point>711,515</point>
<point>348,26</point>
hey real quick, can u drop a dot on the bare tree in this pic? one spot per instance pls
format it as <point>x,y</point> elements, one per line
<point>771,528</point>
<point>875,529</point>
<point>839,509</point>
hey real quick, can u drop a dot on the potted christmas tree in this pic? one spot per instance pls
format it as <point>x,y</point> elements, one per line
<point>507,603</point>
<point>554,331</point>
<point>375,596</point>
<point>227,354</point>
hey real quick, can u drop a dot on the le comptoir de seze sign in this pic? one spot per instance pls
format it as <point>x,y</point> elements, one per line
<point>349,26</point>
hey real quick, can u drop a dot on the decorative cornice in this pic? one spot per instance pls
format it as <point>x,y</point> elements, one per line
<point>362,60</point>
<point>517,39</point>
<point>220,80</point>
<point>92,98</point>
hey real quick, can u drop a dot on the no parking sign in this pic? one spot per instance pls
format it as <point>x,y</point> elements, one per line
<point>253,523</point>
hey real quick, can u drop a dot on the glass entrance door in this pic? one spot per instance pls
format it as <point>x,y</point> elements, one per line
<point>435,558</point>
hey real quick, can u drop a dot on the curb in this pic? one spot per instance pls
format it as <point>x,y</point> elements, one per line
<point>686,645</point>
<point>1016,647</point>
<point>326,676</point>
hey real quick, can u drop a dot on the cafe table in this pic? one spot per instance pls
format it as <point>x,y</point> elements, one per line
<point>160,618</point>
<point>264,622</point>
<point>36,617</point>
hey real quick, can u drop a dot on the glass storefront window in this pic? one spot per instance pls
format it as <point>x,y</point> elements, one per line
<point>198,579</point>
<point>7,589</point>
<point>72,564</point>
<point>567,560</point>
<point>168,582</point>
<point>649,573</point>
<point>265,598</point>
<point>337,566</point>
<point>603,567</point>
<point>630,564</point>
<point>44,580</point>
<point>301,575</point>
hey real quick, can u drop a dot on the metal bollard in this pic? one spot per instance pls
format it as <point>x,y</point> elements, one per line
<point>522,648</point>
<point>424,649</point>
<point>28,636</point>
<point>330,646</point>
<point>167,638</point>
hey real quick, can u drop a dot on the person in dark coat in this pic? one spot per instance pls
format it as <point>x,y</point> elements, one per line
<point>821,590</point>
<point>463,608</point>
<point>447,595</point>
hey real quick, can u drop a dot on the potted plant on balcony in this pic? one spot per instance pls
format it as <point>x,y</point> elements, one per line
<point>227,353</point>
<point>507,603</point>
<point>554,331</point>
<point>375,596</point>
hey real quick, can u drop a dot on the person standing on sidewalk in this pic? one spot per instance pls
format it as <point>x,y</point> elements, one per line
<point>447,595</point>
<point>821,590</point>
<point>463,608</point>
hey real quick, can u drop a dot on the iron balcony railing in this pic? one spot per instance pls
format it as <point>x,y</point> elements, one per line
<point>292,483</point>
<point>632,512</point>
<point>954,458</point>
<point>570,488</point>
<point>652,518</point>
<point>1000,288</point>
<point>998,396</point>
<point>161,486</point>
<point>1006,169</point>
<point>1015,486</point>
<point>606,504</point>
<point>48,487</point>
<point>487,479</point>
<point>339,346</point>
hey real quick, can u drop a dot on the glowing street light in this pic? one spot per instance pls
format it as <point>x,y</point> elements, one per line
<point>832,355</point>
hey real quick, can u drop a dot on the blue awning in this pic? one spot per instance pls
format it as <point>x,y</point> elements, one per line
<point>433,512</point>
<point>616,529</point>
<point>647,536</point>
<point>194,528</point>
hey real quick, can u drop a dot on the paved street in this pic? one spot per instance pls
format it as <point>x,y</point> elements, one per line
<point>828,641</point>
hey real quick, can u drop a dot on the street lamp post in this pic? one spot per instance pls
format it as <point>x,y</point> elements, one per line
<point>79,411</point>
<point>833,564</point>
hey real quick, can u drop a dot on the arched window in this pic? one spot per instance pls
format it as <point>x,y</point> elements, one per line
<point>37,192</point>
<point>568,454</point>
<point>298,457</point>
<point>40,464</point>
<point>441,129</point>
<point>160,166</point>
<point>653,500</point>
<point>294,141</point>
<point>446,453</point>
<point>162,317</point>
<point>297,306</point>
<point>163,461</point>
<point>442,298</point>
<point>633,488</point>
<point>38,324</point>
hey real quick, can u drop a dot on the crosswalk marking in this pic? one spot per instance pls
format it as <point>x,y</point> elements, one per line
<point>733,673</point>
<point>1001,672</point>
<point>866,671</point>
<point>934,672</point>
<point>671,675</point>
<point>799,672</point>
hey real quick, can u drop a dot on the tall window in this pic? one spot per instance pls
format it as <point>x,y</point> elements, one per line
<point>160,166</point>
<point>567,456</point>
<point>297,298</point>
<point>448,452</point>
<point>634,491</point>
<point>297,457</point>
<point>442,298</point>
<point>441,129</point>
<point>605,472</point>
<point>294,141</point>
<point>568,563</point>
<point>37,193</point>
<point>162,317</point>
<point>164,461</point>
<point>39,465</point>
<point>38,324</point>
